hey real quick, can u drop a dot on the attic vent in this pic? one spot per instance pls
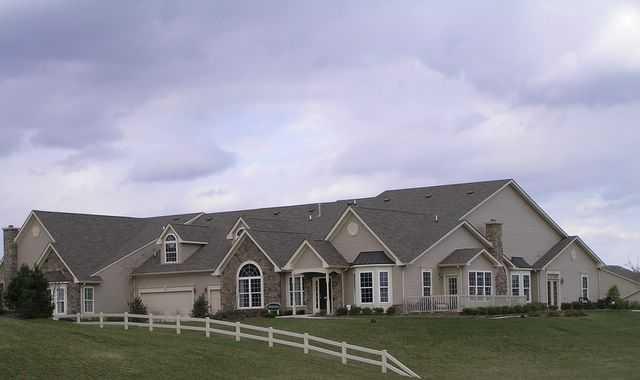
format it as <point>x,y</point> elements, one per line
<point>428,195</point>
<point>311,210</point>
<point>387,199</point>
<point>276,213</point>
<point>470,192</point>
<point>436,219</point>
<point>209,219</point>
<point>310,217</point>
<point>176,218</point>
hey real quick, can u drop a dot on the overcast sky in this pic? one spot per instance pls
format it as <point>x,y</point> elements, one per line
<point>144,108</point>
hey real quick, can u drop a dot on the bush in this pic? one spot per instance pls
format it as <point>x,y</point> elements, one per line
<point>469,311</point>
<point>378,310</point>
<point>613,293</point>
<point>341,311</point>
<point>391,310</point>
<point>554,313</point>
<point>1,302</point>
<point>367,311</point>
<point>355,310</point>
<point>28,294</point>
<point>137,307</point>
<point>200,307</point>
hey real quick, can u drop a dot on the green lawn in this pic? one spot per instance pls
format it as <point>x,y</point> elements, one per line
<point>602,345</point>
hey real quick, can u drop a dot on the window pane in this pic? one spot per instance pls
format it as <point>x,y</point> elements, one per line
<point>472,278</point>
<point>426,278</point>
<point>366,295</point>
<point>480,279</point>
<point>366,279</point>
<point>472,290</point>
<point>256,300</point>
<point>487,278</point>
<point>525,280</point>
<point>384,294</point>
<point>249,270</point>
<point>243,286</point>
<point>384,279</point>
<point>244,300</point>
<point>255,285</point>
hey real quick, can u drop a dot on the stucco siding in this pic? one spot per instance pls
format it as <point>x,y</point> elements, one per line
<point>30,247</point>
<point>625,287</point>
<point>525,232</point>
<point>571,264</point>
<point>350,246</point>
<point>461,238</point>
<point>307,260</point>
<point>114,293</point>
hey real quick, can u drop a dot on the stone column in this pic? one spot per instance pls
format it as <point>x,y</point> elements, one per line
<point>494,235</point>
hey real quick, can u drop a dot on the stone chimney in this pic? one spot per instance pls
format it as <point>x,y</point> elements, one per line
<point>10,258</point>
<point>494,235</point>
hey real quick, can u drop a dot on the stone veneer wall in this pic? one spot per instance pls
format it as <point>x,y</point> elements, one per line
<point>53,264</point>
<point>247,251</point>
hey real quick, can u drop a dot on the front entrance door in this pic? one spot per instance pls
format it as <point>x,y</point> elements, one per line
<point>319,295</point>
<point>553,293</point>
<point>451,285</point>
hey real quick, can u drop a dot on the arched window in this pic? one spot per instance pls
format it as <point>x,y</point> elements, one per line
<point>170,249</point>
<point>239,232</point>
<point>249,286</point>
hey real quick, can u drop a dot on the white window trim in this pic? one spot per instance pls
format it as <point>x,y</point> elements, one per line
<point>483,286</point>
<point>582,288</point>
<point>54,290</point>
<point>290,291</point>
<point>521,275</point>
<point>389,290</point>
<point>423,285</point>
<point>83,300</point>
<point>164,249</point>
<point>261,277</point>
<point>375,277</point>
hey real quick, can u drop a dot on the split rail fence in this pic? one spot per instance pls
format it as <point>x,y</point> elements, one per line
<point>269,335</point>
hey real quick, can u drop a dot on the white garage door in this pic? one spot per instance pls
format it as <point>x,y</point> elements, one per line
<point>168,302</point>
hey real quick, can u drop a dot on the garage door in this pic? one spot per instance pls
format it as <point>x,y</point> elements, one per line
<point>168,302</point>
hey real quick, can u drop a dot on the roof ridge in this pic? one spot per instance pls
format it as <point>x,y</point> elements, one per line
<point>279,232</point>
<point>447,185</point>
<point>88,214</point>
<point>391,209</point>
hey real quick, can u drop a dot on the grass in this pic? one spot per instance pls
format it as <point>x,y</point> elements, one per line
<point>601,345</point>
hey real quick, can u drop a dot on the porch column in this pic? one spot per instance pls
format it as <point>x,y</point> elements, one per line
<point>328,293</point>
<point>292,281</point>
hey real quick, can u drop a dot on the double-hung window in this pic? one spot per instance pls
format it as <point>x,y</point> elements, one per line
<point>480,283</point>
<point>521,285</point>
<point>584,286</point>
<point>426,284</point>
<point>366,287</point>
<point>88,300</point>
<point>296,291</point>
<point>515,285</point>
<point>170,249</point>
<point>384,286</point>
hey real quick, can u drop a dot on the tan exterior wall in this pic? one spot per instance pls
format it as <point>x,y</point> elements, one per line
<point>525,233</point>
<point>350,246</point>
<point>116,291</point>
<point>30,247</point>
<point>607,280</point>
<point>571,266</point>
<point>461,238</point>
<point>307,260</point>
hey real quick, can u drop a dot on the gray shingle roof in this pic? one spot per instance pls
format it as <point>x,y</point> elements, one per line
<point>371,258</point>
<point>192,232</point>
<point>520,262</point>
<point>329,253</point>
<point>624,272</point>
<point>403,219</point>
<point>554,251</point>
<point>460,256</point>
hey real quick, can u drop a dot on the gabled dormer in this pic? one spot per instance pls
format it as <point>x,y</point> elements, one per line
<point>178,242</point>
<point>238,227</point>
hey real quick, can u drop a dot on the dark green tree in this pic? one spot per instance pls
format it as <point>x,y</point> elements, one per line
<point>28,294</point>
<point>200,307</point>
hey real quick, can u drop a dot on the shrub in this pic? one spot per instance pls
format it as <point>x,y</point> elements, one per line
<point>28,294</point>
<point>518,309</point>
<point>482,311</point>
<point>367,311</point>
<point>554,313</point>
<point>1,302</point>
<point>341,311</point>
<point>137,307</point>
<point>200,307</point>
<point>613,293</point>
<point>355,310</point>
<point>378,310</point>
<point>469,311</point>
<point>391,310</point>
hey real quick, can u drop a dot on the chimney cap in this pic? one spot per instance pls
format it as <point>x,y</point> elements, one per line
<point>493,222</point>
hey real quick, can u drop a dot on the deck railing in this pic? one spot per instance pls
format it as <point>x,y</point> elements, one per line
<point>237,330</point>
<point>446,303</point>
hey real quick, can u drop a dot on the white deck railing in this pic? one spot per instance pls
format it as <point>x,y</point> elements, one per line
<point>238,330</point>
<point>434,304</point>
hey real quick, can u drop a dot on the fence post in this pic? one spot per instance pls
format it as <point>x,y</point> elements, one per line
<point>126,320</point>
<point>207,333</point>
<point>237,331</point>
<point>384,361</point>
<point>270,336</point>
<point>101,320</point>
<point>150,322</point>
<point>77,317</point>
<point>344,352</point>
<point>306,343</point>
<point>178,324</point>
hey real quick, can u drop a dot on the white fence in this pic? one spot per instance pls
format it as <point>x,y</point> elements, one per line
<point>238,330</point>
<point>434,304</point>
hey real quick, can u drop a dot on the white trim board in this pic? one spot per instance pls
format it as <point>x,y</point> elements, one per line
<point>33,214</point>
<point>305,243</point>
<point>51,248</point>
<point>351,210</point>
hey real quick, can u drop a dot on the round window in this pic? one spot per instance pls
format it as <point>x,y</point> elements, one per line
<point>353,228</point>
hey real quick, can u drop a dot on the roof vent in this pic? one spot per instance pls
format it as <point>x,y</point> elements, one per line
<point>276,213</point>
<point>310,217</point>
<point>209,219</point>
<point>311,210</point>
<point>436,219</point>
<point>470,192</point>
<point>176,218</point>
<point>387,199</point>
<point>428,195</point>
